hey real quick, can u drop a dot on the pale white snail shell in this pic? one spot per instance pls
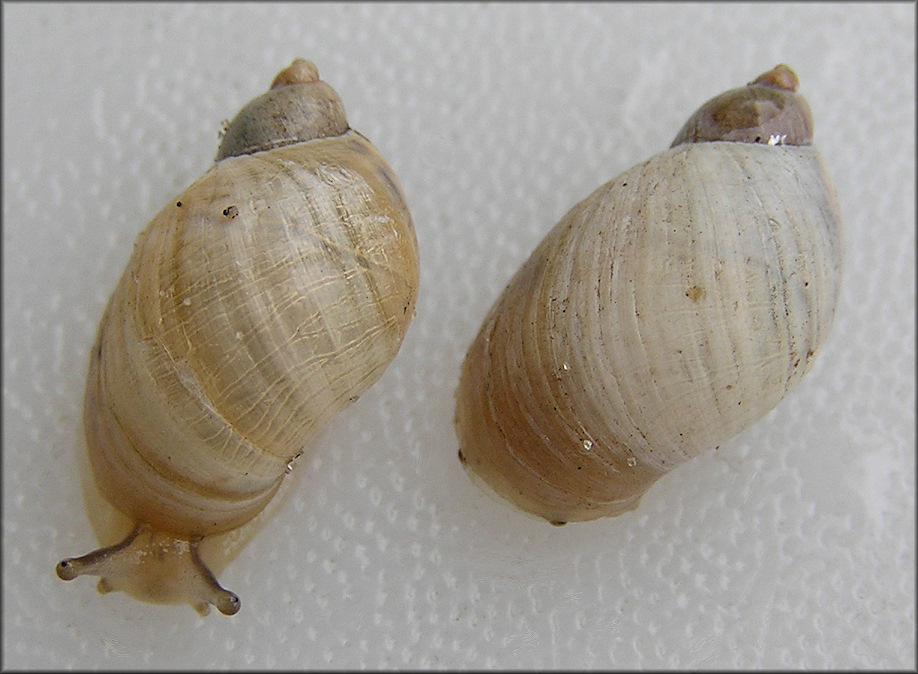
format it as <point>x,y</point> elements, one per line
<point>256,305</point>
<point>664,314</point>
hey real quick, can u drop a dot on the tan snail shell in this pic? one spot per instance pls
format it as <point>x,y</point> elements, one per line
<point>256,305</point>
<point>664,314</point>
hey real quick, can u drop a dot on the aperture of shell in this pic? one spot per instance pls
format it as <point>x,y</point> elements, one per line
<point>665,313</point>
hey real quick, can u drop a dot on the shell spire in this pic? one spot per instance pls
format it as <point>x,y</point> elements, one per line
<point>298,107</point>
<point>768,110</point>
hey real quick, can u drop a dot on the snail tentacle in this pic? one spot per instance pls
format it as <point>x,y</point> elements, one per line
<point>150,563</point>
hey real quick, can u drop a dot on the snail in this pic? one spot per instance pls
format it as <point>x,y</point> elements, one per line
<point>664,314</point>
<point>259,303</point>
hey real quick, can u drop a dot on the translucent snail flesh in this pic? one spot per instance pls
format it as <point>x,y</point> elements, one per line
<point>664,314</point>
<point>256,305</point>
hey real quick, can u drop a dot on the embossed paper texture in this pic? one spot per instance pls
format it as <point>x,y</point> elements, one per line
<point>792,546</point>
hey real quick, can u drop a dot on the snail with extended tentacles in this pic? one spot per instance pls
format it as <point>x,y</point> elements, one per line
<point>664,314</point>
<point>256,305</point>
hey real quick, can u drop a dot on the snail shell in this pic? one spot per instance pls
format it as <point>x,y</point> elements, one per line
<point>664,314</point>
<point>256,305</point>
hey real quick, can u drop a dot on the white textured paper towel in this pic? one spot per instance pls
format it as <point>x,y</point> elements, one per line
<point>791,547</point>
